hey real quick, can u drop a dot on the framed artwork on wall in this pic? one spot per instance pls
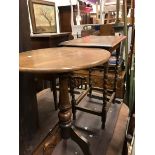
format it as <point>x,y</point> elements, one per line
<point>43,16</point>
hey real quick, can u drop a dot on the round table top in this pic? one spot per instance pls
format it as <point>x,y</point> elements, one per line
<point>61,59</point>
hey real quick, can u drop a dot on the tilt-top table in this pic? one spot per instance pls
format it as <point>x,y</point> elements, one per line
<point>61,62</point>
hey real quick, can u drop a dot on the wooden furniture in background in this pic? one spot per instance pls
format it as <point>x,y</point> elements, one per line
<point>106,30</point>
<point>110,17</point>
<point>28,42</point>
<point>109,43</point>
<point>65,17</point>
<point>97,80</point>
<point>60,62</point>
<point>46,40</point>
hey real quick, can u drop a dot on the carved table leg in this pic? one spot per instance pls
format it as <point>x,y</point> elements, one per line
<point>116,71</point>
<point>105,80</point>
<point>73,97</point>
<point>65,116</point>
<point>65,107</point>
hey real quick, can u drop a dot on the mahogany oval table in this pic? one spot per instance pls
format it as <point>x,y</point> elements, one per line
<point>61,62</point>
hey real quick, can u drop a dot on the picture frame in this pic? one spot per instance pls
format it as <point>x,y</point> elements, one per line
<point>43,16</point>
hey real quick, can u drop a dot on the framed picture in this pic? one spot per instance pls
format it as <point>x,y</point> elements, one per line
<point>43,16</point>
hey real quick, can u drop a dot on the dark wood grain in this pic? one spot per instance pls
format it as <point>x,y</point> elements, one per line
<point>24,27</point>
<point>28,108</point>
<point>65,18</point>
<point>97,81</point>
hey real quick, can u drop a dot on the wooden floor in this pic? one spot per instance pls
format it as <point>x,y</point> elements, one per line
<point>102,142</point>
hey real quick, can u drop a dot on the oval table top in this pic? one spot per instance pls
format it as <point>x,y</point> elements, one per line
<point>61,59</point>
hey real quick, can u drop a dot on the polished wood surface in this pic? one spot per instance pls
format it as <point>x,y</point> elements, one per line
<point>62,59</point>
<point>95,41</point>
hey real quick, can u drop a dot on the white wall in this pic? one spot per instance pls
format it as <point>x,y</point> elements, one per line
<point>65,2</point>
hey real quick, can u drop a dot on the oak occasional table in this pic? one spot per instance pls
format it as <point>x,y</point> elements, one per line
<point>61,62</point>
<point>109,43</point>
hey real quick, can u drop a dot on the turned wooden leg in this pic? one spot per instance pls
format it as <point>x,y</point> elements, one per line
<point>64,106</point>
<point>116,71</point>
<point>105,81</point>
<point>65,116</point>
<point>73,101</point>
